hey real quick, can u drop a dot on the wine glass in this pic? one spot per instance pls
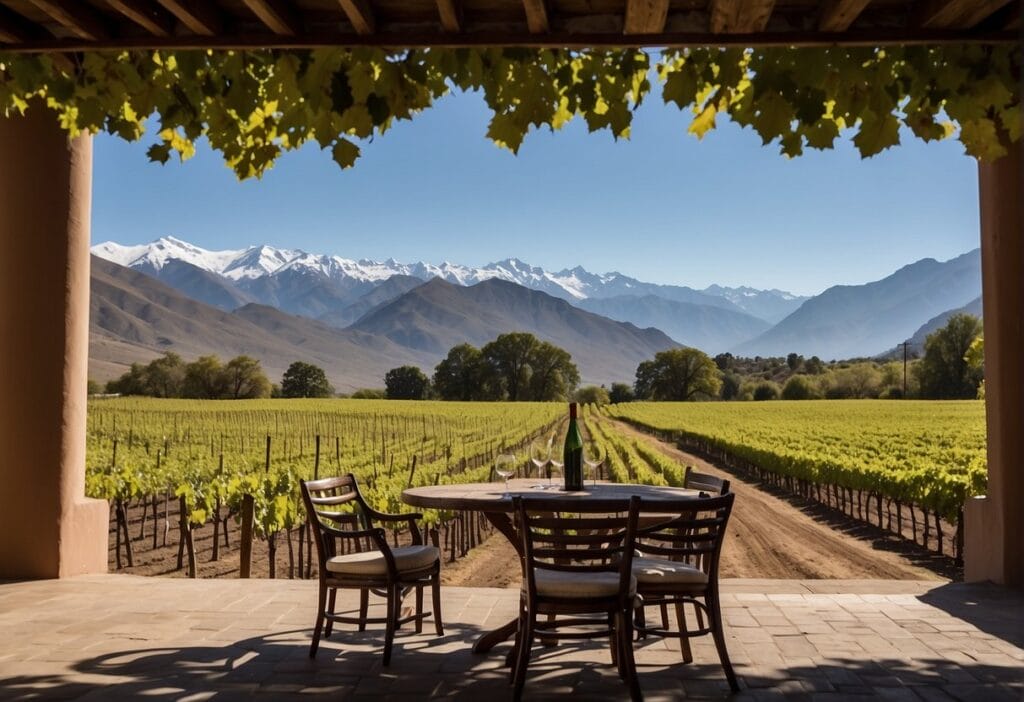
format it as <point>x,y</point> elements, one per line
<point>540,454</point>
<point>554,471</point>
<point>505,466</point>
<point>593,457</point>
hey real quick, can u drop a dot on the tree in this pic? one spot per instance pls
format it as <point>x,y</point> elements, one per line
<point>305,380</point>
<point>165,376</point>
<point>766,390</point>
<point>507,364</point>
<point>731,383</point>
<point>204,379</point>
<point>678,374</point>
<point>800,387</point>
<point>406,383</point>
<point>621,392</point>
<point>724,361</point>
<point>794,361</point>
<point>92,387</point>
<point>944,372</point>
<point>244,379</point>
<point>460,375</point>
<point>553,375</point>
<point>592,395</point>
<point>132,382</point>
<point>814,366</point>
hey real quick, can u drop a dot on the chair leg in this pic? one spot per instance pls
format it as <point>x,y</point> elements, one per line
<point>624,637</point>
<point>393,604</point>
<point>664,616</point>
<point>640,621</point>
<point>321,603</point>
<point>364,605</point>
<point>419,609</point>
<point>331,598</point>
<point>523,659</point>
<point>684,640</point>
<point>613,628</point>
<point>435,587</point>
<point>718,632</point>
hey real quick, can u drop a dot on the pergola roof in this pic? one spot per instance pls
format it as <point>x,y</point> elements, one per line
<point>78,25</point>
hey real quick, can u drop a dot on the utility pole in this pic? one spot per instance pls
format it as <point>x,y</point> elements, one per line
<point>905,344</point>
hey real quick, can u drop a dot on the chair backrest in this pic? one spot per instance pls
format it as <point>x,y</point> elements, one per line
<point>692,480</point>
<point>336,509</point>
<point>566,536</point>
<point>692,532</point>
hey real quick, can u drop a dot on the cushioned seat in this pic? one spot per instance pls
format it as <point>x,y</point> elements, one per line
<point>557,583</point>
<point>660,571</point>
<point>407,558</point>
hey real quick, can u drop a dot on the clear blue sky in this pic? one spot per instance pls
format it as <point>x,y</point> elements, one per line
<point>661,206</point>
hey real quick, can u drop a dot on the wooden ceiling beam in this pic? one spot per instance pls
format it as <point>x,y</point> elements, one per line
<point>199,16</point>
<point>360,15</point>
<point>838,15</point>
<point>450,12</point>
<point>645,16</point>
<point>77,17</point>
<point>957,14</point>
<point>153,18</point>
<point>740,16</point>
<point>278,16</point>
<point>14,29</point>
<point>536,16</point>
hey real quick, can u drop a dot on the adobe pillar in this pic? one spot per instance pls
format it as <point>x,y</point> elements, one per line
<point>48,528</point>
<point>994,529</point>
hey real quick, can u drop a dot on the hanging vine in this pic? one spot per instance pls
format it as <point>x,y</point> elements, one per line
<point>252,106</point>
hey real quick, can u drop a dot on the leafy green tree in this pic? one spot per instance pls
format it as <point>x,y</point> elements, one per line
<point>507,364</point>
<point>460,376</point>
<point>244,379</point>
<point>165,376</point>
<point>406,383</point>
<point>794,361</point>
<point>368,394</point>
<point>678,374</point>
<point>800,387</point>
<point>724,361</point>
<point>731,383</point>
<point>814,366</point>
<point>92,387</point>
<point>553,375</point>
<point>133,382</point>
<point>944,372</point>
<point>305,380</point>
<point>204,379</point>
<point>621,392</point>
<point>592,395</point>
<point>766,390</point>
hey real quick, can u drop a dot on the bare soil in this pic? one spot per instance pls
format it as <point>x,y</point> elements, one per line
<point>771,535</point>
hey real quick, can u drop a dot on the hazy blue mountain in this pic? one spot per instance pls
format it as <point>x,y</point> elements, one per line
<point>384,293</point>
<point>848,321</point>
<point>437,315</point>
<point>711,329</point>
<point>770,305</point>
<point>201,285</point>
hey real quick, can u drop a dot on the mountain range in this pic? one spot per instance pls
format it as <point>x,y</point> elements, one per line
<point>360,318</point>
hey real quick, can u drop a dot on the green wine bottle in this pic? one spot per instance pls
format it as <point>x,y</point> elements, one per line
<point>572,454</point>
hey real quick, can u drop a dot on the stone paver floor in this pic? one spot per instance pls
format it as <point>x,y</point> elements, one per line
<point>116,637</point>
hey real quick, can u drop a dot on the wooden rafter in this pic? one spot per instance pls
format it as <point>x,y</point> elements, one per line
<point>957,14</point>
<point>13,29</point>
<point>838,15</point>
<point>199,16</point>
<point>645,16</point>
<point>153,18</point>
<point>536,16</point>
<point>1012,19</point>
<point>277,15</point>
<point>77,17</point>
<point>360,15</point>
<point>450,12</point>
<point>740,16</point>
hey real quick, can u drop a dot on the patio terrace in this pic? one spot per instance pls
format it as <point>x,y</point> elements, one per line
<point>116,637</point>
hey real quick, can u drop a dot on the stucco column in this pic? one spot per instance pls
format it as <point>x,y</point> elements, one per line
<point>994,529</point>
<point>48,528</point>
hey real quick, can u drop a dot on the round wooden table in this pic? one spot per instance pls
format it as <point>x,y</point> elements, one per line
<point>495,502</point>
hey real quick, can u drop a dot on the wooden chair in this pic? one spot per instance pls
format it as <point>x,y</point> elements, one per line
<point>353,554</point>
<point>705,483</point>
<point>692,480</point>
<point>679,566</point>
<point>576,563</point>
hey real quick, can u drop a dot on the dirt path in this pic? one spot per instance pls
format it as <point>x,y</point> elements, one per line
<point>774,537</point>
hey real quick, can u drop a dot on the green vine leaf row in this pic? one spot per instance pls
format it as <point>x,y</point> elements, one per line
<point>252,106</point>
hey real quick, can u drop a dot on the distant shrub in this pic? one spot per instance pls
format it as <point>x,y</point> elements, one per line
<point>891,393</point>
<point>766,390</point>
<point>800,387</point>
<point>368,394</point>
<point>592,395</point>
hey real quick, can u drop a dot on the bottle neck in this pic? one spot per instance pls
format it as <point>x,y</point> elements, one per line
<point>572,410</point>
